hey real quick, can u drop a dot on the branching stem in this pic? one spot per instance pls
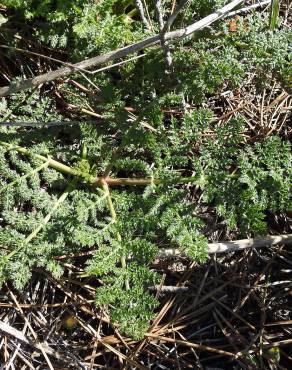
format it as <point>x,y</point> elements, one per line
<point>45,221</point>
<point>101,181</point>
<point>36,170</point>
<point>51,163</point>
<point>144,20</point>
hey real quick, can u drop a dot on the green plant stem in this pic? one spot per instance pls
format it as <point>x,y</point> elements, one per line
<point>100,181</point>
<point>145,181</point>
<point>45,221</point>
<point>36,170</point>
<point>274,14</point>
<point>52,163</point>
<point>114,218</point>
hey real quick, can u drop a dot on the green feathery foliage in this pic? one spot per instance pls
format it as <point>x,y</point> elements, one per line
<point>49,209</point>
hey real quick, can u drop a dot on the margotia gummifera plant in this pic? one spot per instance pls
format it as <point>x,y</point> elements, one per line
<point>141,178</point>
<point>49,208</point>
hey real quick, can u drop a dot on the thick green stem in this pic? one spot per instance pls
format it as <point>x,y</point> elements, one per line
<point>36,170</point>
<point>145,181</point>
<point>52,163</point>
<point>114,218</point>
<point>100,181</point>
<point>45,221</point>
<point>49,215</point>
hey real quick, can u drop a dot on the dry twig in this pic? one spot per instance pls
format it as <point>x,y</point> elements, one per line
<point>120,53</point>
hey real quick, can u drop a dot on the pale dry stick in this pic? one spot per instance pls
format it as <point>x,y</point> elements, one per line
<point>164,44</point>
<point>6,353</point>
<point>246,9</point>
<point>120,53</point>
<point>173,6</point>
<point>174,13</point>
<point>144,20</point>
<point>274,127</point>
<point>262,123</point>
<point>148,15</point>
<point>168,289</point>
<point>278,99</point>
<point>278,108</point>
<point>234,246</point>
<point>277,323</point>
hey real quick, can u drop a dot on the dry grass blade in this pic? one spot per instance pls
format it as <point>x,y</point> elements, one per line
<point>192,345</point>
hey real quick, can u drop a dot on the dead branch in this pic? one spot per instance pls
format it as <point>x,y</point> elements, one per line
<point>144,20</point>
<point>174,15</point>
<point>164,44</point>
<point>234,246</point>
<point>120,53</point>
<point>259,4</point>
